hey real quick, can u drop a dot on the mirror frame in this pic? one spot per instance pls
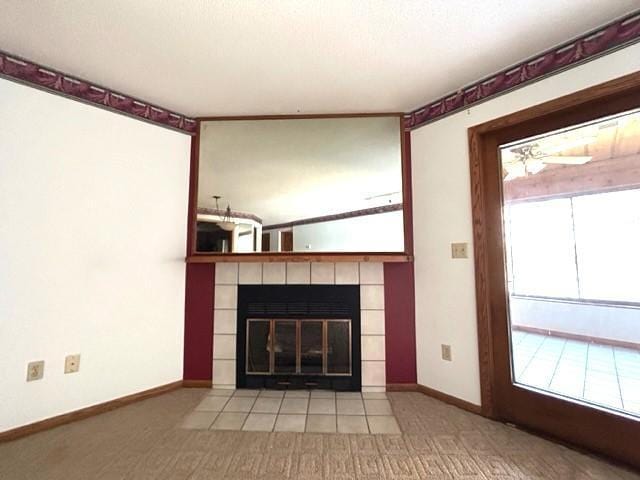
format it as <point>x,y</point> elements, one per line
<point>193,256</point>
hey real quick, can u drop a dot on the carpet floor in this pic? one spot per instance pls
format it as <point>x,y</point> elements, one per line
<point>438,441</point>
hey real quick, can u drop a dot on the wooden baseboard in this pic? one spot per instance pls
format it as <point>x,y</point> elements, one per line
<point>446,398</point>
<point>196,383</point>
<point>402,387</point>
<point>58,420</point>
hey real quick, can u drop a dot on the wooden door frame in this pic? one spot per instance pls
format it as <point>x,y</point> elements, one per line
<point>491,303</point>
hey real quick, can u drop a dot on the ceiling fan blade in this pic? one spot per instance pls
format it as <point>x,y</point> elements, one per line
<point>574,160</point>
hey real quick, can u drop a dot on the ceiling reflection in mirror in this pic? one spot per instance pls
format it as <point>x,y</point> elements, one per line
<point>300,185</point>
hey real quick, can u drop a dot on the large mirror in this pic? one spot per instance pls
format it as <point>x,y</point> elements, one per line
<point>300,185</point>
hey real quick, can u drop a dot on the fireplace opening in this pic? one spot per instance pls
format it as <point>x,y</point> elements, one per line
<point>298,347</point>
<point>299,336</point>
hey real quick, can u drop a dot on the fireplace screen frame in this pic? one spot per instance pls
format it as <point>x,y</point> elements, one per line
<point>298,322</point>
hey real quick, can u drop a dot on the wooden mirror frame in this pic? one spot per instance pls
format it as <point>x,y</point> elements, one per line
<point>193,256</point>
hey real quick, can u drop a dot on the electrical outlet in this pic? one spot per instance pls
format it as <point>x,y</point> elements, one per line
<point>35,370</point>
<point>459,250</point>
<point>72,363</point>
<point>446,352</point>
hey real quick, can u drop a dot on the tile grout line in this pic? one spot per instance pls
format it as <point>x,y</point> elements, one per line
<point>557,364</point>
<point>530,359</point>
<point>615,366</point>
<point>586,370</point>
<point>248,413</point>
<point>273,428</point>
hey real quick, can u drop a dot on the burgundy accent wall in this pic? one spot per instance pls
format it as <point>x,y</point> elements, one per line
<point>198,321</point>
<point>400,325</point>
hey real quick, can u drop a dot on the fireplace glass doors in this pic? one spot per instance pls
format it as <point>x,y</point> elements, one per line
<point>298,347</point>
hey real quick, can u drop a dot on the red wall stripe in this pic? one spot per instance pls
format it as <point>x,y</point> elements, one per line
<point>400,325</point>
<point>198,321</point>
<point>399,322</point>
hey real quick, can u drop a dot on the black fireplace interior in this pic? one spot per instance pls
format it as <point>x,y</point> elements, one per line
<point>299,336</point>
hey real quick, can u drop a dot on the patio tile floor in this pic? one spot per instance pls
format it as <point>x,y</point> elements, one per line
<point>593,372</point>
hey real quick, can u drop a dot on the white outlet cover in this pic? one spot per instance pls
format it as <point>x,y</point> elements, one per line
<point>35,370</point>
<point>72,363</point>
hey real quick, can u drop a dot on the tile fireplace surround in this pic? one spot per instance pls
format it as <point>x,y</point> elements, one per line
<point>370,277</point>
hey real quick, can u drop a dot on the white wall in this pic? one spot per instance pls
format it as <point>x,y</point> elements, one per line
<point>608,321</point>
<point>445,291</point>
<point>382,232</point>
<point>93,211</point>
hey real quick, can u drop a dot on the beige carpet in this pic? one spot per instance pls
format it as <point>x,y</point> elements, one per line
<point>144,441</point>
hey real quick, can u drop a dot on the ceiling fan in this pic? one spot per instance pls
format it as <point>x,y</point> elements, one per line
<point>531,158</point>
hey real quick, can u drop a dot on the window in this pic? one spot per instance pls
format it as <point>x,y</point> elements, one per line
<point>582,247</point>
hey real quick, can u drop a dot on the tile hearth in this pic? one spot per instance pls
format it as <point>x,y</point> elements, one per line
<point>317,411</point>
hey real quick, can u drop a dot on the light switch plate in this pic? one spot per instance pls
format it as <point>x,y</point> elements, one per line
<point>446,352</point>
<point>459,250</point>
<point>72,363</point>
<point>35,370</point>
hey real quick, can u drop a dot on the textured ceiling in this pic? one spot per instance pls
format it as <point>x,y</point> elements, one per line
<point>208,57</point>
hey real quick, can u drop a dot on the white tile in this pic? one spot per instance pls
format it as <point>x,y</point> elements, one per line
<point>323,394</point>
<point>250,273</point>
<point>372,297</point>
<point>274,273</point>
<point>229,421</point>
<point>347,273</point>
<point>377,407</point>
<point>239,404</point>
<point>271,394</point>
<point>322,406</point>
<point>212,404</point>
<point>294,405</point>
<point>373,373</point>
<point>199,420</point>
<point>266,405</point>
<point>383,425</point>
<point>296,394</point>
<point>225,321</point>
<point>348,406</point>
<point>323,273</point>
<point>374,395</point>
<point>246,392</point>
<point>226,273</point>
<point>352,424</point>
<point>372,347</point>
<point>349,395</point>
<point>321,424</point>
<point>259,422</point>
<point>290,423</point>
<point>221,392</point>
<point>224,372</point>
<point>373,322</point>
<point>226,296</point>
<point>371,273</point>
<point>224,347</point>
<point>367,389</point>
<point>298,273</point>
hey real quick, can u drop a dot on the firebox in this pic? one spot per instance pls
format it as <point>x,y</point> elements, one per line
<point>298,336</point>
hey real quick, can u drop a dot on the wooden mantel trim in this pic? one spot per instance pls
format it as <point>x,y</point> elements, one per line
<point>300,257</point>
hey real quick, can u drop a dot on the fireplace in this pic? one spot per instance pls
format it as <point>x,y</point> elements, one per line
<point>298,336</point>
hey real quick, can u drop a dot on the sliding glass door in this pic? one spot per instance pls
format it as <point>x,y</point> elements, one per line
<point>556,220</point>
<point>571,214</point>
